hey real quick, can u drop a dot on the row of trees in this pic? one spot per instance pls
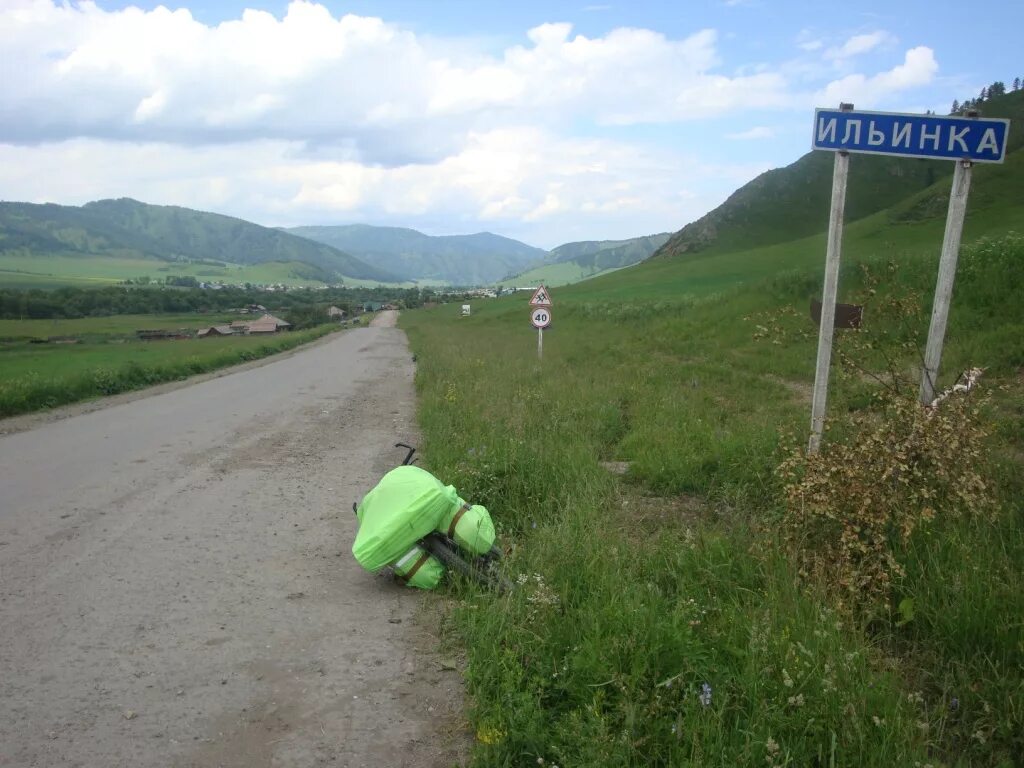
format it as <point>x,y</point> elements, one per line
<point>998,88</point>
<point>143,300</point>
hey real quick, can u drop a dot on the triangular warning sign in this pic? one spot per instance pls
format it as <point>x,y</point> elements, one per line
<point>541,298</point>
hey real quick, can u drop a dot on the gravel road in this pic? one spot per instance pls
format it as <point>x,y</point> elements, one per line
<point>177,586</point>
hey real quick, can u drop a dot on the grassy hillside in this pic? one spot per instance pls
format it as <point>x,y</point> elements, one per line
<point>660,617</point>
<point>573,262</point>
<point>636,593</point>
<point>128,229</point>
<point>792,202</point>
<point>606,254</point>
<point>914,226</point>
<point>553,275</point>
<point>33,271</point>
<point>476,259</point>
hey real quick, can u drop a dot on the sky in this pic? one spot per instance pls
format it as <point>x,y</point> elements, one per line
<point>549,122</point>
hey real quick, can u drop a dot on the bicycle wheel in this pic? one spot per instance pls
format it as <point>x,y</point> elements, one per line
<point>448,553</point>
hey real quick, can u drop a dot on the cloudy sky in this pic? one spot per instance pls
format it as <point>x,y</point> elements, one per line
<point>545,121</point>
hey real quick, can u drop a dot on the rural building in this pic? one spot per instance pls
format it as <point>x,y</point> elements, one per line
<point>279,324</point>
<point>262,326</point>
<point>215,330</point>
<point>372,306</point>
<point>335,312</point>
<point>265,324</point>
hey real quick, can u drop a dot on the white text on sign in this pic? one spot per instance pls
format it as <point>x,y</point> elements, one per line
<point>981,140</point>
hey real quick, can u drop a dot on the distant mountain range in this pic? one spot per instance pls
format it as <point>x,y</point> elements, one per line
<point>477,259</point>
<point>51,240</point>
<point>129,229</point>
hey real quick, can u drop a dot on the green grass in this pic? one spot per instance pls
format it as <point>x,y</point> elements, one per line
<point>37,376</point>
<point>912,229</point>
<point>553,275</point>
<point>113,325</point>
<point>636,593</point>
<point>56,271</point>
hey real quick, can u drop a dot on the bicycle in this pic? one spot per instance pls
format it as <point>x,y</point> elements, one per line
<point>444,548</point>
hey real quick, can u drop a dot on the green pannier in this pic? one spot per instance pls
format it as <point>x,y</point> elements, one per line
<point>407,504</point>
<point>402,508</point>
<point>470,527</point>
<point>418,568</point>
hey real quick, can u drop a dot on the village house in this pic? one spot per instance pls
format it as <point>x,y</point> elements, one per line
<point>261,325</point>
<point>215,330</point>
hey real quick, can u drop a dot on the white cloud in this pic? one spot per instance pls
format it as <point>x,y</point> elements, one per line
<point>757,132</point>
<point>858,45</point>
<point>918,68</point>
<point>163,75</point>
<point>561,188</point>
<point>313,118</point>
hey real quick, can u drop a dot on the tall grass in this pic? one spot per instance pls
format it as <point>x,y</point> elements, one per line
<point>657,621</point>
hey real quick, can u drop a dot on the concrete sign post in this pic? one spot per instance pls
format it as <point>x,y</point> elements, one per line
<point>966,140</point>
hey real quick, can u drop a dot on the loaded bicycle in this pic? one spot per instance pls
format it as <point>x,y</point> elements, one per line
<point>414,525</point>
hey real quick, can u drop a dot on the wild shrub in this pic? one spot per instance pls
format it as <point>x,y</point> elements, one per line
<point>851,508</point>
<point>892,468</point>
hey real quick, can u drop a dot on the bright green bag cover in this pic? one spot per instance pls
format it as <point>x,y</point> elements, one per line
<point>473,531</point>
<point>423,575</point>
<point>406,505</point>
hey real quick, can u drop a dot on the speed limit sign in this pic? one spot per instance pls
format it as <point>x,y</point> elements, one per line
<point>541,317</point>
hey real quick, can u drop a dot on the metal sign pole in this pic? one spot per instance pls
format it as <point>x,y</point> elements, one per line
<point>540,343</point>
<point>947,272</point>
<point>828,299</point>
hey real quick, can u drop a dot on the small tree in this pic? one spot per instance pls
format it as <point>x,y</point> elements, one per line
<point>956,107</point>
<point>1016,83</point>
<point>983,94</point>
<point>998,88</point>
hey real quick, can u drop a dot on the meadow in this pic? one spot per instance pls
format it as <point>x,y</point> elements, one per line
<point>660,618</point>
<point>28,271</point>
<point>109,359</point>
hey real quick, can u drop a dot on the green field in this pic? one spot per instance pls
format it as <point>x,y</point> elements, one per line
<point>56,271</point>
<point>636,592</point>
<point>113,325</point>
<point>109,359</point>
<point>639,592</point>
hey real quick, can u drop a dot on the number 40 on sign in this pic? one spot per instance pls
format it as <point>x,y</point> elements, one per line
<point>540,316</point>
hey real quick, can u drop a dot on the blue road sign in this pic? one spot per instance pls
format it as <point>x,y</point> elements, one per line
<point>982,140</point>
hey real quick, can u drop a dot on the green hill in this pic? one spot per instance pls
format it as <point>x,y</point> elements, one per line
<point>477,259</point>
<point>126,229</point>
<point>793,202</point>
<point>912,227</point>
<point>682,621</point>
<point>573,262</point>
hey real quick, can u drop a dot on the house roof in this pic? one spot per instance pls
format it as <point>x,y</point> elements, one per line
<point>276,320</point>
<point>263,326</point>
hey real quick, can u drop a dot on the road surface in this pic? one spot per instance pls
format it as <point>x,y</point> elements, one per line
<point>177,586</point>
